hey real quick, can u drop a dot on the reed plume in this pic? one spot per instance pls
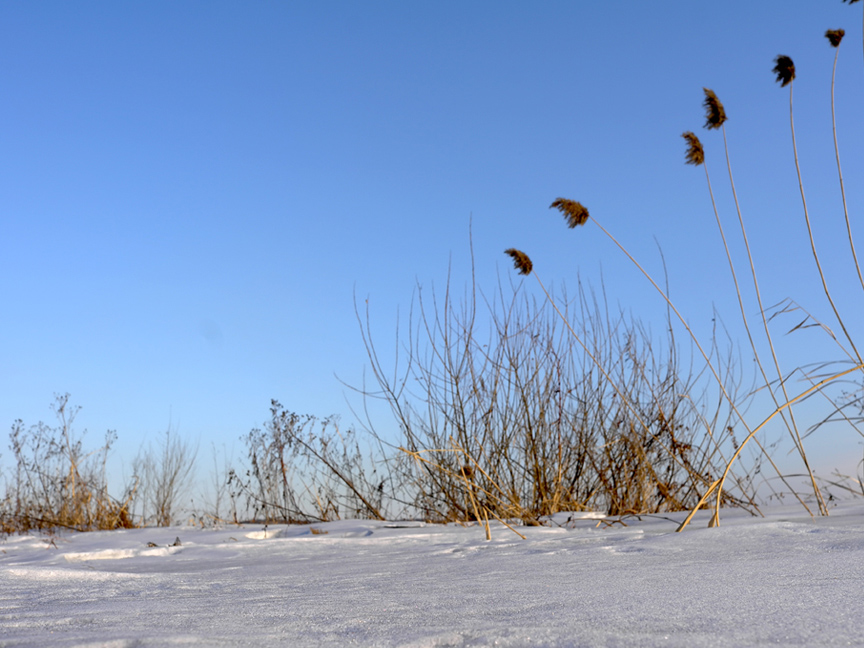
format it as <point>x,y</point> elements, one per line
<point>715,119</point>
<point>784,68</point>
<point>715,114</point>
<point>574,212</point>
<point>520,261</point>
<point>695,154</point>
<point>834,36</point>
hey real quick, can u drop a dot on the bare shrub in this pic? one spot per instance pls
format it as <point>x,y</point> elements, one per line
<point>164,474</point>
<point>304,469</point>
<point>534,417</point>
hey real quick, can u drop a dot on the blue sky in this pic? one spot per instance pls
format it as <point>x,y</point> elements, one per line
<point>192,193</point>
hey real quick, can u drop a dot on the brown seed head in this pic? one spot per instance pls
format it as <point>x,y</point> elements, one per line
<point>784,68</point>
<point>834,36</point>
<point>695,155</point>
<point>520,261</point>
<point>574,212</point>
<point>715,114</point>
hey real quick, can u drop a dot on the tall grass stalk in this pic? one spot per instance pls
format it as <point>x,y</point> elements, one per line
<point>716,118</point>
<point>779,409</point>
<point>837,155</point>
<point>576,215</point>
<point>741,302</point>
<point>814,252</point>
<point>785,70</point>
<point>813,389</point>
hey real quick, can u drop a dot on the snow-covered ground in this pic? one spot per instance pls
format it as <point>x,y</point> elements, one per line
<point>784,580</point>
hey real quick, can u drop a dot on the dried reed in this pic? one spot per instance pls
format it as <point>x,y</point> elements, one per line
<point>695,154</point>
<point>784,68</point>
<point>575,213</point>
<point>715,114</point>
<point>521,261</point>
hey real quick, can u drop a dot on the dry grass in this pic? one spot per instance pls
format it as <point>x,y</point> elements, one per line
<point>303,469</point>
<point>783,400</point>
<point>551,410</point>
<point>56,484</point>
<point>506,408</point>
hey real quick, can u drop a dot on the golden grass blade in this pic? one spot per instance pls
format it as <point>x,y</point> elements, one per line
<point>702,501</point>
<point>804,394</point>
<point>744,312</point>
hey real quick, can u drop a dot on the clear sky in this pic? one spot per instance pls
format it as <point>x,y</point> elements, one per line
<point>192,193</point>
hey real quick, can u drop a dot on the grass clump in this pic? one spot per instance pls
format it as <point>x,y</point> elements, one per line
<point>56,484</point>
<point>545,409</point>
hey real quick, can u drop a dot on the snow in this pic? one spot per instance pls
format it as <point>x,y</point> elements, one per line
<point>785,579</point>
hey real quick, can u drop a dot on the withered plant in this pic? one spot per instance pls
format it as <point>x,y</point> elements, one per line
<point>818,381</point>
<point>57,483</point>
<point>305,469</point>
<point>505,414</point>
<point>164,474</point>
